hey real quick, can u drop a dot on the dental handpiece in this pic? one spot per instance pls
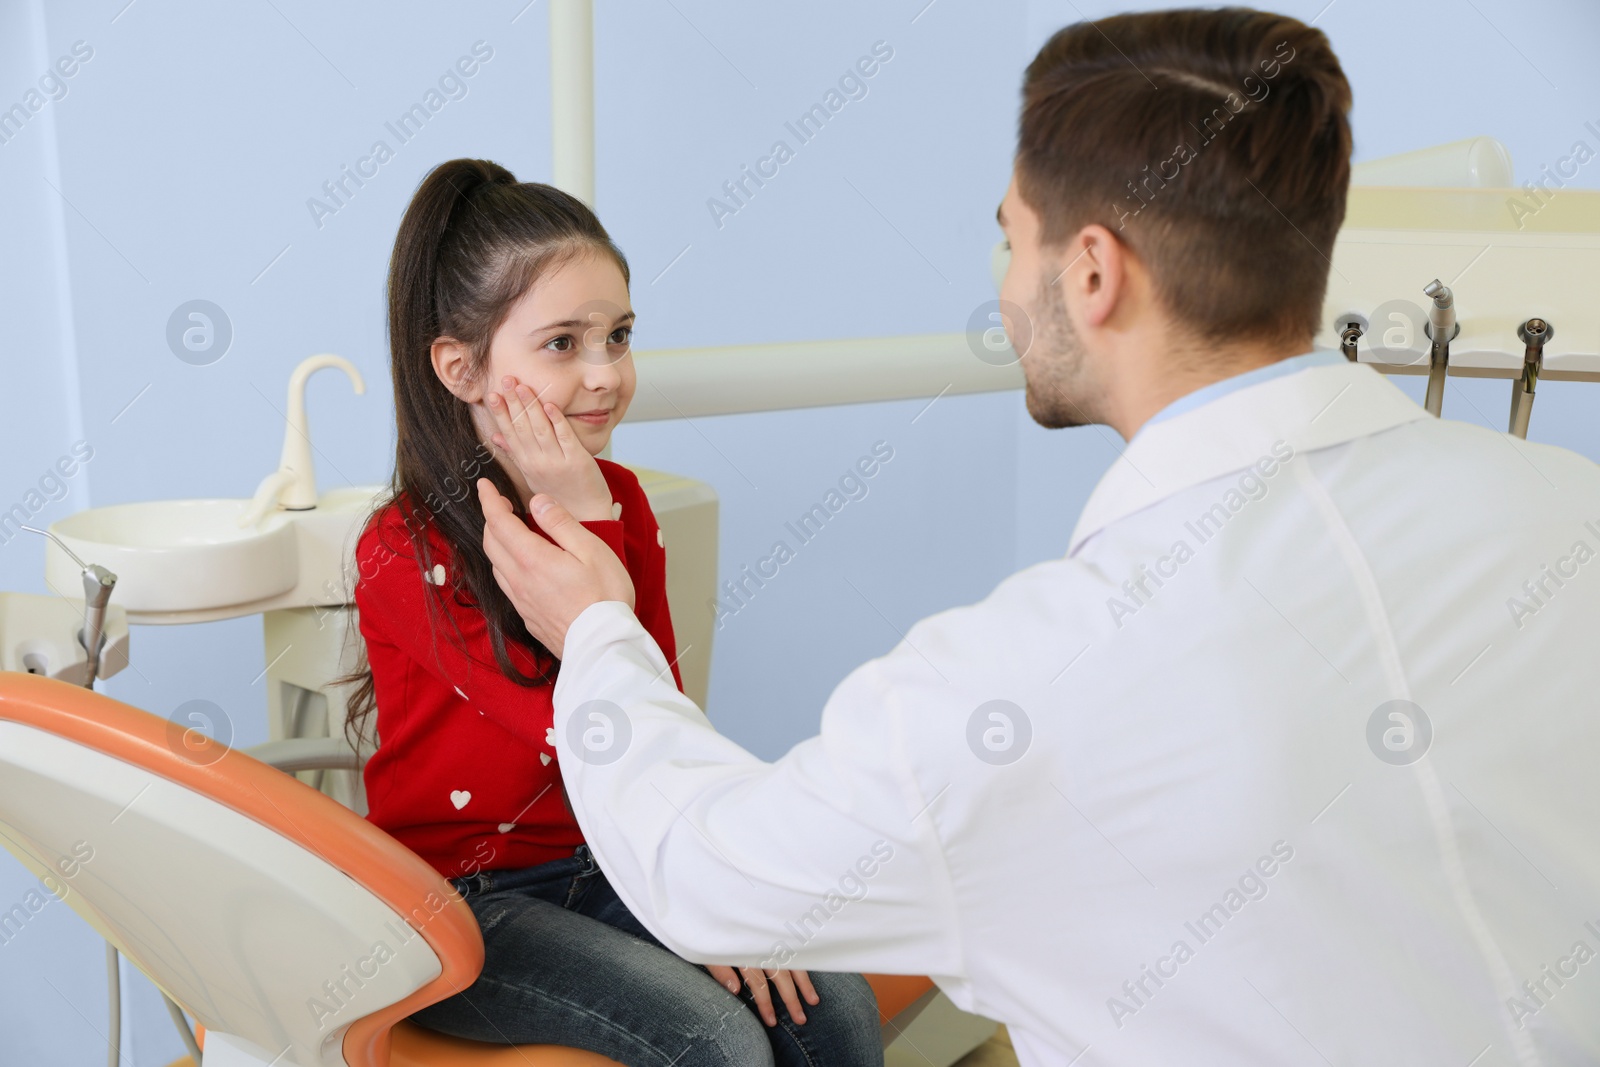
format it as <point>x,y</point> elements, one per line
<point>97,586</point>
<point>1534,333</point>
<point>1442,329</point>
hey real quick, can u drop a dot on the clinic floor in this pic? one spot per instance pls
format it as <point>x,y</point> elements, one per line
<point>995,1052</point>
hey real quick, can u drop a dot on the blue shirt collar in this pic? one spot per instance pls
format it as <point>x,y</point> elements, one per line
<point>1206,394</point>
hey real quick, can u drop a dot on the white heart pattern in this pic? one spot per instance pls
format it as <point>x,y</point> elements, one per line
<point>544,758</point>
<point>460,797</point>
<point>550,736</point>
<point>507,827</point>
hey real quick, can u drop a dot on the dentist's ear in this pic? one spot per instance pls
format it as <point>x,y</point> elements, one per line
<point>1096,275</point>
<point>452,362</point>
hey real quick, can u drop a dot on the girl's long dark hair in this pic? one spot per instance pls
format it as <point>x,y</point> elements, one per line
<point>473,241</point>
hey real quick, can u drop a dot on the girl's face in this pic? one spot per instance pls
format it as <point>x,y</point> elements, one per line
<point>569,339</point>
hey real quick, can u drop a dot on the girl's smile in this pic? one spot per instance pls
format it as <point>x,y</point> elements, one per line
<point>596,417</point>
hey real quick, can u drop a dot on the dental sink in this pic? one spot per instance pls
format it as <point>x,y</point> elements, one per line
<point>182,561</point>
<point>180,555</point>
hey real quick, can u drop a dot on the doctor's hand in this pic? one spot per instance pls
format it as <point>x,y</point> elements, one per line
<point>550,585</point>
<point>791,984</point>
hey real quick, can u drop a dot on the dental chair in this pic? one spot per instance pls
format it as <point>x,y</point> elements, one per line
<point>294,931</point>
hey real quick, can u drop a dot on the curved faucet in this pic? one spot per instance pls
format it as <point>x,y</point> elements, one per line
<point>266,496</point>
<point>293,485</point>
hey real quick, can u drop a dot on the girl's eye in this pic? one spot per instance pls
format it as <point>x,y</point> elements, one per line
<point>621,335</point>
<point>560,344</point>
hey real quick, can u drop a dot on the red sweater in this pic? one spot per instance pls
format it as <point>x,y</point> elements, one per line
<point>465,773</point>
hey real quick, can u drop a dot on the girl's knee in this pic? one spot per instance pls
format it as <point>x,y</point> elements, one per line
<point>738,1039</point>
<point>845,1024</point>
<point>857,992</point>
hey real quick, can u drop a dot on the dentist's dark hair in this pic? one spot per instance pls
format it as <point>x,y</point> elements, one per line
<point>1214,143</point>
<point>472,242</point>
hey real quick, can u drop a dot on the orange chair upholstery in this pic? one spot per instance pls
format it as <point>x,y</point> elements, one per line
<point>99,727</point>
<point>416,1047</point>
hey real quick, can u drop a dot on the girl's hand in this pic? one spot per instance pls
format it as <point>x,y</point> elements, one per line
<point>552,460</point>
<point>791,985</point>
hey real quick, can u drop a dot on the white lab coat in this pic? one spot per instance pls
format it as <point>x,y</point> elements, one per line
<point>1199,857</point>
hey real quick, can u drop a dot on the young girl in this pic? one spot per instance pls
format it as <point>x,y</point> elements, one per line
<point>509,331</point>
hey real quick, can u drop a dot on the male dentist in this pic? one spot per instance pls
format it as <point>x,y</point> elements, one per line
<point>1291,758</point>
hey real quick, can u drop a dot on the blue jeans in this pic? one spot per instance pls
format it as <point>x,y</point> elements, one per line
<point>566,963</point>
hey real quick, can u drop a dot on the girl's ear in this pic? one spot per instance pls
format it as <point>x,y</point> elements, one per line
<point>452,362</point>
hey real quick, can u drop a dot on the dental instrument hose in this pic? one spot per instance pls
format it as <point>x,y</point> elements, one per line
<point>183,1029</point>
<point>114,997</point>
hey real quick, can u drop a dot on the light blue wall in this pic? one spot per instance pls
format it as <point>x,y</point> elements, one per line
<point>47,963</point>
<point>185,151</point>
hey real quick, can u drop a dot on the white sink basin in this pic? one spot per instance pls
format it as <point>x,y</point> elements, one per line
<point>178,555</point>
<point>189,560</point>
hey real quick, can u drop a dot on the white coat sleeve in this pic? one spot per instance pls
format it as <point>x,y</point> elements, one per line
<point>825,860</point>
